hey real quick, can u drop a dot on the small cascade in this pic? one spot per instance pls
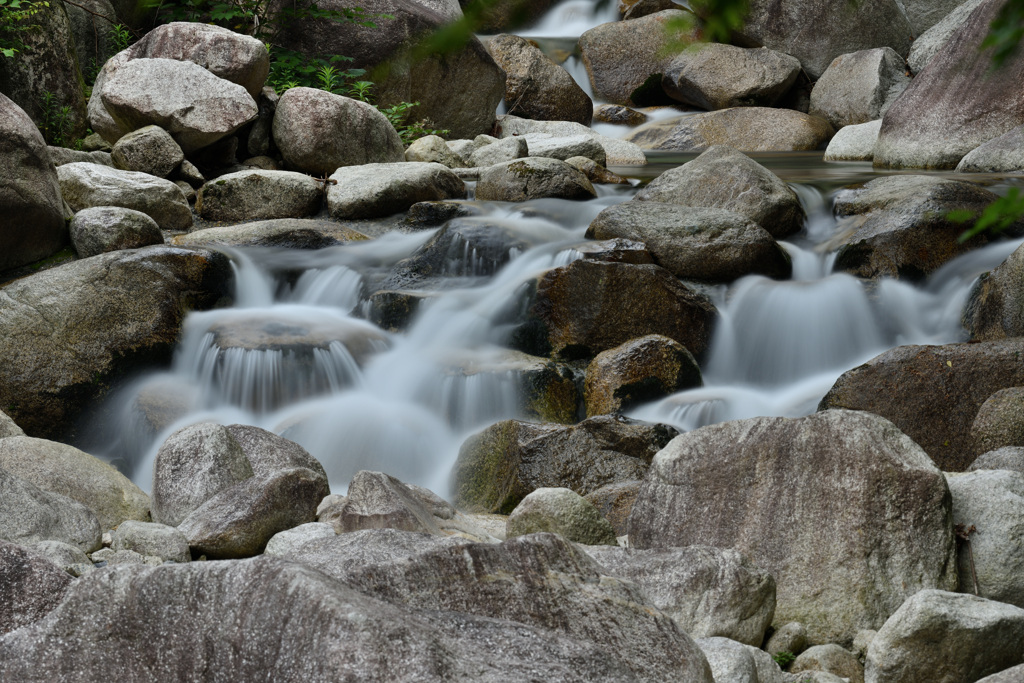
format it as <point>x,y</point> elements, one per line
<point>573,18</point>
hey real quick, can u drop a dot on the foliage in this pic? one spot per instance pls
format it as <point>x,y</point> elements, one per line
<point>1005,33</point>
<point>15,18</point>
<point>409,131</point>
<point>120,37</point>
<point>784,659</point>
<point>57,123</point>
<point>997,216</point>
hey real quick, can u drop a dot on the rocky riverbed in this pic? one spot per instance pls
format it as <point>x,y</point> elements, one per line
<point>594,388</point>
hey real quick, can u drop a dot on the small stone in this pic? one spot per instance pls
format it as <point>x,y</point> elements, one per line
<point>560,511</point>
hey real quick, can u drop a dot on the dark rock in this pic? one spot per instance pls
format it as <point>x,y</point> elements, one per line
<point>532,178</point>
<point>30,587</point>
<point>993,310</point>
<point>616,113</point>
<point>615,502</point>
<point>716,76</point>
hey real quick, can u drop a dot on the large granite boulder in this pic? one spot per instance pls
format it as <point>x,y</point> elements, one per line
<point>1004,154</point>
<point>30,586</point>
<point>29,515</point>
<point>748,129</point>
<point>717,76</point>
<point>924,14</point>
<point>955,104</point>
<point>67,333</point>
<point>84,185</point>
<point>769,486</point>
<point>100,229</point>
<point>32,222</point>
<point>260,195</point>
<point>930,42</point>
<point>932,393</point>
<point>378,190</point>
<point>859,87</point>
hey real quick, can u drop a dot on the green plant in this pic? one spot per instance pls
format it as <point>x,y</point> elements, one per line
<point>997,216</point>
<point>784,659</point>
<point>15,18</point>
<point>399,115</point>
<point>120,37</point>
<point>57,124</point>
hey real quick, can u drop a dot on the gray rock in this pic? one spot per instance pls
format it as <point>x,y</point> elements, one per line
<point>260,195</point>
<point>929,42</point>
<point>30,586</point>
<point>283,543</point>
<point>379,501</point>
<point>1004,154</point>
<point>854,143</point>
<point>92,23</point>
<point>791,638</point>
<point>9,427</point>
<point>32,224</point>
<point>767,669</point>
<point>156,540</point>
<point>832,659</point>
<point>66,332</point>
<point>862,641</point>
<point>993,502</point>
<point>616,113</point>
<point>1012,675</point>
<point>188,173</point>
<point>267,452</point>
<point>724,178</point>
<point>729,660</point>
<point>113,558</point>
<point>150,150</point>
<point>1008,458</point>
<point>773,484</point>
<point>618,152</point>
<point>318,132</point>
<point>536,87</point>
<point>595,172</point>
<point>99,229</point>
<point>708,591</point>
<point>748,129</point>
<point>955,104</point>
<point>86,185</point>
<point>62,155</point>
<point>532,178</point>
<point>615,502</point>
<point>66,556</point>
<point>717,76</point>
<point>198,111</point>
<point>378,190</point>
<point>29,515</point>
<point>993,310</point>
<point>292,233</point>
<point>927,638</point>
<point>695,243</point>
<point>566,147</point>
<point>65,470</point>
<point>498,152</point>
<point>433,149</point>
<point>924,14</point>
<point>1000,421</point>
<point>560,511</point>
<point>859,87</point>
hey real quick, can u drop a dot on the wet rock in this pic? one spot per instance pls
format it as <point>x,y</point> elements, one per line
<point>29,515</point>
<point>499,151</point>
<point>432,148</point>
<point>748,129</point>
<point>930,42</point>
<point>623,57</point>
<point>717,76</point>
<point>832,659</point>
<point>993,502</point>
<point>560,511</point>
<point>618,152</point>
<point>854,143</point>
<point>773,484</point>
<point>615,502</point>
<point>292,233</point>
<point>932,393</point>
<point>1004,154</point>
<point>859,87</point>
<point>930,636</point>
<point>901,228</point>
<point>65,470</point>
<point>501,465</point>
<point>595,172</point>
<point>641,370</point>
<point>100,229</point>
<point>707,591</point>
<point>724,178</point>
<point>150,150</point>
<point>432,214</point>
<point>157,540</point>
<point>624,301</point>
<point>67,333</point>
<point>729,660</point>
<point>1000,421</point>
<point>318,132</point>
<point>615,251</point>
<point>260,195</point>
<point>791,637</point>
<point>32,224</point>
<point>695,243</point>
<point>954,105</point>
<point>284,542</point>
<point>85,185</point>
<point>616,113</point>
<point>30,584</point>
<point>378,190</point>
<point>536,87</point>
<point>533,178</point>
<point>1007,458</point>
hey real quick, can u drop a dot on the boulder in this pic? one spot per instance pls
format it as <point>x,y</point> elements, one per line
<point>993,310</point>
<point>150,149</point>
<point>768,486</point>
<point>1004,154</point>
<point>1012,675</point>
<point>716,76</point>
<point>200,110</point>
<point>832,659</point>
<point>69,558</point>
<point>9,427</point>
<point>283,543</point>
<point>932,393</point>
<point>85,185</point>
<point>618,152</point>
<point>641,370</point>
<point>100,229</point>
<point>993,502</point>
<point>955,104</point>
<point>318,132</point>
<point>627,59</point>
<point>62,155</point>
<point>729,660</point>
<point>748,129</point>
<point>595,172</point>
<point>65,470</point>
<point>67,333</point>
<point>533,178</point>
<point>291,233</point>
<point>854,143</point>
<point>378,190</point>
<point>29,515</point>
<point>379,501</point>
<point>943,637</point>
<point>147,538</point>
<point>1007,458</point>
<point>501,465</point>
<point>433,148</point>
<point>816,33</point>
<point>622,301</point>
<point>92,24</point>
<point>708,592</point>
<point>924,14</point>
<point>32,223</point>
<point>930,42</point>
<point>695,243</point>
<point>791,638</point>
<point>900,227</point>
<point>724,178</point>
<point>499,151</point>
<point>260,195</point>
<point>560,511</point>
<point>536,87</point>
<point>1000,421</point>
<point>30,584</point>
<point>615,502</point>
<point>566,147</point>
<point>859,87</point>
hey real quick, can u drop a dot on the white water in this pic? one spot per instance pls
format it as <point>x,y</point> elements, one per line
<point>571,18</point>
